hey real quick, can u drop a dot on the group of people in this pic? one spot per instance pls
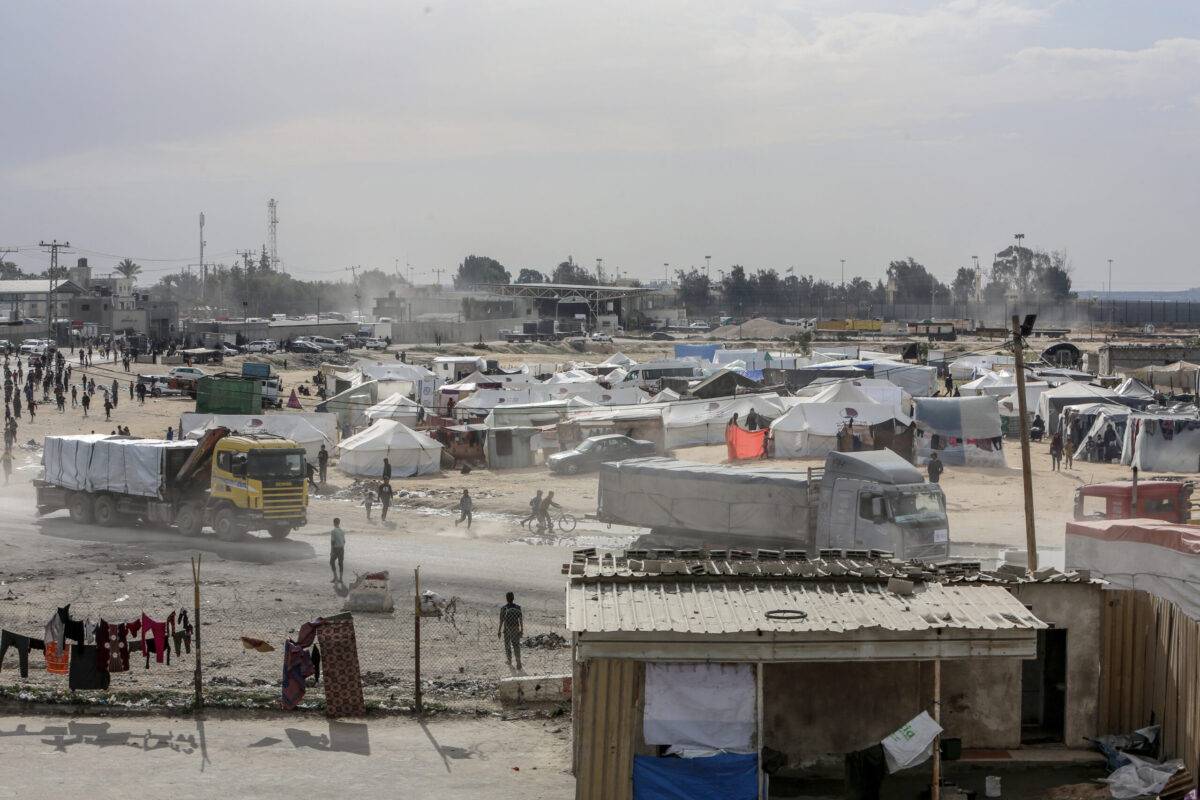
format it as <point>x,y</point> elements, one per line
<point>539,511</point>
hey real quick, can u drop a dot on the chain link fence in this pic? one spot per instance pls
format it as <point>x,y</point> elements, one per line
<point>461,658</point>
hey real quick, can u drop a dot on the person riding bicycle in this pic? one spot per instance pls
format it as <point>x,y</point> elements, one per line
<point>547,504</point>
<point>535,509</point>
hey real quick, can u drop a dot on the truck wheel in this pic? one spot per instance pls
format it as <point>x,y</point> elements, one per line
<point>190,519</point>
<point>80,508</point>
<point>226,525</point>
<point>279,531</point>
<point>104,510</point>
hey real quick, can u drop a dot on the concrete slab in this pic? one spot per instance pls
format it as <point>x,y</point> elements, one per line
<point>534,689</point>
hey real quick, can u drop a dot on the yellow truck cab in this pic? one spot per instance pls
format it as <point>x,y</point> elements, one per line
<point>258,478</point>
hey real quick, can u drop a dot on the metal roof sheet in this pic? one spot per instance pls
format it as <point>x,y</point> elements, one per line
<point>739,606</point>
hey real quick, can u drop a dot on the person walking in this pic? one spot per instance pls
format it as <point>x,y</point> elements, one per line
<point>465,506</point>
<point>511,630</point>
<point>1069,450</point>
<point>385,500</point>
<point>108,407</point>
<point>115,394</point>
<point>387,470</point>
<point>935,468</point>
<point>535,508</point>
<point>86,402</point>
<point>1056,448</point>
<point>74,396</point>
<point>6,460</point>
<point>170,433</point>
<point>369,501</point>
<point>337,551</point>
<point>323,462</point>
<point>130,389</point>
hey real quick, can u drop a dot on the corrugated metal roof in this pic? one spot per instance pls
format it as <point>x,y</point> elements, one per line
<point>738,606</point>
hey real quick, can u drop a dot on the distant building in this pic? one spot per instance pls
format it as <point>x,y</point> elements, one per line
<point>30,298</point>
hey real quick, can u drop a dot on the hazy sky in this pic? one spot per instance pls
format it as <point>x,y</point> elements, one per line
<point>771,134</point>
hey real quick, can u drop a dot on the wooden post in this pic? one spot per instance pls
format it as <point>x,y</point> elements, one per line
<point>936,789</point>
<point>1026,469</point>
<point>417,639</point>
<point>196,624</point>
<point>762,780</point>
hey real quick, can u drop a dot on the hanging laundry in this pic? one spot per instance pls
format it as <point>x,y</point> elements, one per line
<point>339,657</point>
<point>112,648</point>
<point>85,673</point>
<point>184,635</point>
<point>56,628</point>
<point>160,642</point>
<point>58,659</point>
<point>22,644</point>
<point>297,664</point>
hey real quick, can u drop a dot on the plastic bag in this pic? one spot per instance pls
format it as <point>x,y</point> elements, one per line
<point>1140,777</point>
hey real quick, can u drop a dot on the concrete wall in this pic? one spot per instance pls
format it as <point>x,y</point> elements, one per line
<point>422,332</point>
<point>1117,358</point>
<point>814,710</point>
<point>1078,609</point>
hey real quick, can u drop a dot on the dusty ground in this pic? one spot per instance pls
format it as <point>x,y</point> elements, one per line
<point>273,757</point>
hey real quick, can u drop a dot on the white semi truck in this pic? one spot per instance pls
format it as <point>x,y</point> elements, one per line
<point>860,501</point>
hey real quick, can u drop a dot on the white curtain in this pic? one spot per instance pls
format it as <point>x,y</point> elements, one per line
<point>700,705</point>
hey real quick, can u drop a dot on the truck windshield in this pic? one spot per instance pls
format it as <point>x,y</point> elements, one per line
<point>277,464</point>
<point>916,506</point>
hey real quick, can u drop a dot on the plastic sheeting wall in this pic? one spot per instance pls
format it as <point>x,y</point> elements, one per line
<point>965,431</point>
<point>1162,444</point>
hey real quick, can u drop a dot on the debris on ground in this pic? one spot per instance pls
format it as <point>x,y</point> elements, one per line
<point>545,641</point>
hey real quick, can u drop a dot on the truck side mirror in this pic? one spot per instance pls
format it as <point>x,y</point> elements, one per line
<point>877,508</point>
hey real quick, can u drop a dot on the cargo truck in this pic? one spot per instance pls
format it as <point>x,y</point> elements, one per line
<point>860,501</point>
<point>234,483</point>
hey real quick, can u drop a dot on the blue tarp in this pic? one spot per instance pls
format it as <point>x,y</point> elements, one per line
<point>727,776</point>
<point>704,352</point>
<point>754,374</point>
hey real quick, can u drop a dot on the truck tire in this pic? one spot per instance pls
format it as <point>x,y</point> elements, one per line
<point>80,508</point>
<point>104,511</point>
<point>226,525</point>
<point>279,531</point>
<point>190,519</point>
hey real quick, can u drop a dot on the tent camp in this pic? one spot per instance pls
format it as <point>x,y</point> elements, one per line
<point>688,423</point>
<point>1132,387</point>
<point>968,367</point>
<point>349,405</point>
<point>1102,440</point>
<point>410,453</point>
<point>878,389</point>
<point>1162,443</point>
<point>424,382</point>
<point>811,427</point>
<point>963,430</point>
<point>1182,377</point>
<point>397,407</point>
<point>1051,402</point>
<point>308,429</point>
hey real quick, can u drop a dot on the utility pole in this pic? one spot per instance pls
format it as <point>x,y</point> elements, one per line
<point>600,271</point>
<point>272,224</point>
<point>53,246</point>
<point>203,272</point>
<point>667,273</point>
<point>1020,277</point>
<point>357,292</point>
<point>707,265</point>
<point>438,272</point>
<point>245,254</point>
<point>843,274</point>
<point>1019,332</point>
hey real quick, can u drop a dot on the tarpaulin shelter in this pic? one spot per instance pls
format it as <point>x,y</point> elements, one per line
<point>349,406</point>
<point>637,422</point>
<point>704,352</point>
<point>742,444</point>
<point>963,430</point>
<point>618,359</point>
<point>424,382</point>
<point>1132,387</point>
<point>1158,557</point>
<point>1102,433</point>
<point>811,427</point>
<point>968,367</point>
<point>723,383</point>
<point>1162,443</point>
<point>881,391</point>
<point>1052,401</point>
<point>803,376</point>
<point>698,422</point>
<point>1180,377</point>
<point>397,407</point>
<point>409,452</point>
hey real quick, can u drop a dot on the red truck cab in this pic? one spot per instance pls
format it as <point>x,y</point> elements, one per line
<point>1169,501</point>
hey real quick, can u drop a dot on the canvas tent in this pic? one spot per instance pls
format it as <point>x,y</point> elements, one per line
<point>877,389</point>
<point>410,453</point>
<point>424,382</point>
<point>1101,441</point>
<point>309,430</point>
<point>963,430</point>
<point>1162,443</point>
<point>1051,402</point>
<point>1181,377</point>
<point>969,367</point>
<point>349,405</point>
<point>397,407</point>
<point>1132,387</point>
<point>698,422</point>
<point>810,428</point>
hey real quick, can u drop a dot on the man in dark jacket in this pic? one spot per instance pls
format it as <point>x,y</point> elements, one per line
<point>935,468</point>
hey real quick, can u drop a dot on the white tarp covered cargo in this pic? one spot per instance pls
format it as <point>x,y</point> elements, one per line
<point>110,463</point>
<point>669,494</point>
<point>410,453</point>
<point>964,431</point>
<point>309,429</point>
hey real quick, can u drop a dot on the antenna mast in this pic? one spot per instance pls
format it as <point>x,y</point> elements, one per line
<point>272,223</point>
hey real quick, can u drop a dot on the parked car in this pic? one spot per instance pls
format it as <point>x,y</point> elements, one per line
<point>595,450</point>
<point>226,349</point>
<point>263,346</point>
<point>325,343</point>
<point>158,385</point>
<point>305,346</point>
<point>186,374</point>
<point>700,326</point>
<point>599,336</point>
<point>662,336</point>
<point>5,345</point>
<point>36,347</point>
<point>375,344</point>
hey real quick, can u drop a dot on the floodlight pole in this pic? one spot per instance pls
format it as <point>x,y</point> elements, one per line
<point>1026,469</point>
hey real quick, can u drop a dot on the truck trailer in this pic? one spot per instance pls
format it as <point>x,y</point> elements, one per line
<point>861,501</point>
<point>234,483</point>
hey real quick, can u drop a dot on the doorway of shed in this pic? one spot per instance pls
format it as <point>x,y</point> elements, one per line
<point>1044,690</point>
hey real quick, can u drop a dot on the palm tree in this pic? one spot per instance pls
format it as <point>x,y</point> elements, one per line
<point>128,268</point>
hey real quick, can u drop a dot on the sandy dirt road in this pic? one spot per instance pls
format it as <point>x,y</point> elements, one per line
<point>273,756</point>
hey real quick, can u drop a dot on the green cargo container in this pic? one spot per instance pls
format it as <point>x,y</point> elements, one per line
<point>228,393</point>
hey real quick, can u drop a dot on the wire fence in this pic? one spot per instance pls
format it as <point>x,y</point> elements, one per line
<point>461,658</point>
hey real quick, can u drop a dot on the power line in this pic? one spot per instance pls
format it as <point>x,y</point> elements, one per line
<point>54,246</point>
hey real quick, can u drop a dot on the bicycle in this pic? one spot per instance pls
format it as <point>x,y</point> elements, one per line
<point>564,522</point>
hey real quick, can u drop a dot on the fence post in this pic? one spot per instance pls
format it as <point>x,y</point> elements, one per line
<point>196,624</point>
<point>417,639</point>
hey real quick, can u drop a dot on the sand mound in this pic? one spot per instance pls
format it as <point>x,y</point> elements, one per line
<point>757,328</point>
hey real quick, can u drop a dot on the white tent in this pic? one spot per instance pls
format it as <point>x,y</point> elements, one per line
<point>963,430</point>
<point>1162,442</point>
<point>410,453</point>
<point>1132,387</point>
<point>1008,404</point>
<point>397,407</point>
<point>571,376</point>
<point>696,422</point>
<point>1053,400</point>
<point>665,396</point>
<point>968,367</point>
<point>810,428</point>
<point>993,383</point>
<point>619,359</point>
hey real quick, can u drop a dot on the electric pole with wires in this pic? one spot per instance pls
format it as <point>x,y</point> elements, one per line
<point>53,246</point>
<point>1019,331</point>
